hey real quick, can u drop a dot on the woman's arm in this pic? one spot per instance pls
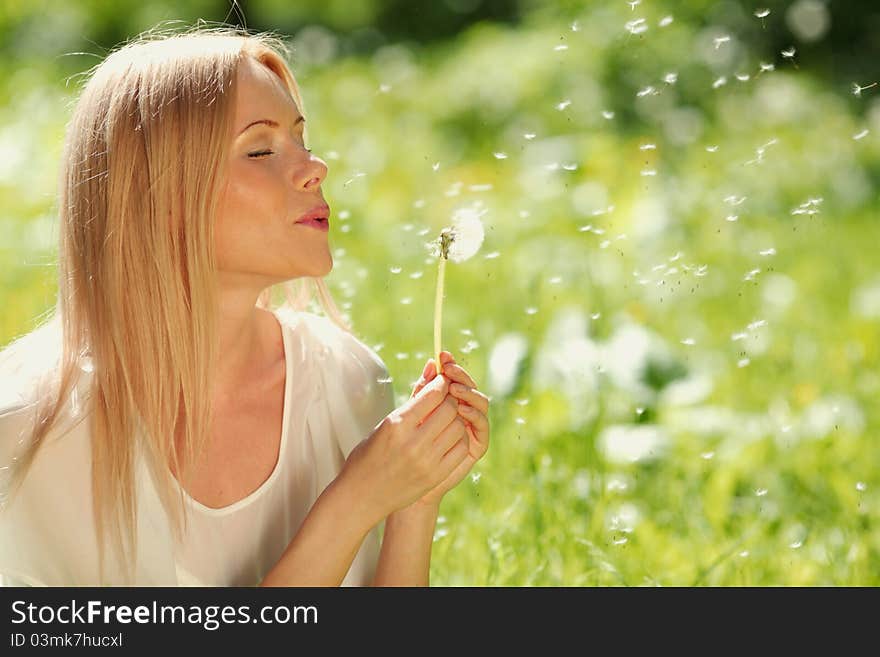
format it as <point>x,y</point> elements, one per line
<point>327,542</point>
<point>405,559</point>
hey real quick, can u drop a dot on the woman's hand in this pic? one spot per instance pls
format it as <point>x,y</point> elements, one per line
<point>473,407</point>
<point>415,448</point>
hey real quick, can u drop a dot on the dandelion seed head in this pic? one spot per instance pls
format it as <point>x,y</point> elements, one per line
<point>463,239</point>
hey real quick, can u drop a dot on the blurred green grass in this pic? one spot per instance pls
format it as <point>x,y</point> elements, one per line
<point>694,405</point>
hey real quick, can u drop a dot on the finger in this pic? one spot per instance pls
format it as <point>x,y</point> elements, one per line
<point>430,369</point>
<point>478,420</point>
<point>454,431</point>
<point>421,404</point>
<point>454,458</point>
<point>437,419</point>
<point>473,397</point>
<point>456,373</point>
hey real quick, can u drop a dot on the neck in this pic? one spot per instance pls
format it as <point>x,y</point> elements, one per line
<point>249,343</point>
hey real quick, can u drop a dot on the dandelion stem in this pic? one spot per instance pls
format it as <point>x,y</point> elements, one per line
<point>438,312</point>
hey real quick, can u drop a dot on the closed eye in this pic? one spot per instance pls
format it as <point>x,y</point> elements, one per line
<point>256,154</point>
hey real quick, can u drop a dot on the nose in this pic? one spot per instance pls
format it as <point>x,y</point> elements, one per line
<point>311,174</point>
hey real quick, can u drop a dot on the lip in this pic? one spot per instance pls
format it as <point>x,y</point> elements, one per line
<point>318,212</point>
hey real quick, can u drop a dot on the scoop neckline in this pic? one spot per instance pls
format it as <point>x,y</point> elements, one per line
<point>285,420</point>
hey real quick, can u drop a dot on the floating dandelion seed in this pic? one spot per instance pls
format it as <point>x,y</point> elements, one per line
<point>731,217</point>
<point>666,20</point>
<point>384,88</point>
<point>435,166</point>
<point>529,135</point>
<point>762,13</point>
<point>720,82</point>
<point>646,91</point>
<point>649,172</point>
<point>788,54</point>
<point>690,342</point>
<point>647,147</point>
<point>743,77</point>
<point>358,174</point>
<point>500,156</point>
<point>734,200</point>
<point>575,27</point>
<point>458,243</point>
<point>861,486</point>
<point>857,90</point>
<point>861,135</point>
<point>638,26</point>
<point>768,252</point>
<point>561,106</point>
<point>607,114</point>
<point>632,5</point>
<point>719,41</point>
<point>712,149</point>
<point>561,46</point>
<point>766,67</point>
<point>670,78</point>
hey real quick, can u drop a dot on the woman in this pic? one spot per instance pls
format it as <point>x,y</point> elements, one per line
<point>166,411</point>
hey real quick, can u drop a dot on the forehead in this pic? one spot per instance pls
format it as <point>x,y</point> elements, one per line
<point>261,94</point>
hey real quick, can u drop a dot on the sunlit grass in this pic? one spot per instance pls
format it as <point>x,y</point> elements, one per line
<point>745,348</point>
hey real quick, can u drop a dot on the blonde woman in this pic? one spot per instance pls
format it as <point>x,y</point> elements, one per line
<point>167,426</point>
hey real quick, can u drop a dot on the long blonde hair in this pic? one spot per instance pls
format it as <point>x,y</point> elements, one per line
<point>143,163</point>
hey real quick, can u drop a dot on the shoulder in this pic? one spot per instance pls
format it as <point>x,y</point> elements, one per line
<point>350,370</point>
<point>332,343</point>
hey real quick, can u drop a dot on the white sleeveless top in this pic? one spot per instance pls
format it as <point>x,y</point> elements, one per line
<point>336,391</point>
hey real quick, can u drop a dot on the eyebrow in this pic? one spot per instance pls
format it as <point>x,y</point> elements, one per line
<point>271,123</point>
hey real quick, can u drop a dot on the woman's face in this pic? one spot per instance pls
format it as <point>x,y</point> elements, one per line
<point>272,180</point>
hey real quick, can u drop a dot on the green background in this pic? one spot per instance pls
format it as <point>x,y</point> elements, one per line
<point>675,307</point>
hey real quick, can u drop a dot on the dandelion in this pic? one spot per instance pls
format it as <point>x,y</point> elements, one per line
<point>458,242</point>
<point>762,14</point>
